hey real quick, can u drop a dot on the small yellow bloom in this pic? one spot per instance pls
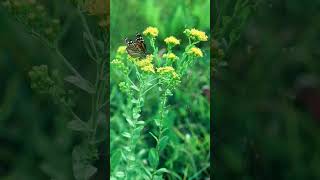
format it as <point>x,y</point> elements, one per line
<point>117,61</point>
<point>148,68</point>
<point>132,59</point>
<point>171,41</point>
<point>151,31</point>
<point>195,52</point>
<point>146,64</point>
<point>165,69</point>
<point>168,70</point>
<point>196,34</point>
<point>175,75</point>
<point>121,50</point>
<point>171,56</point>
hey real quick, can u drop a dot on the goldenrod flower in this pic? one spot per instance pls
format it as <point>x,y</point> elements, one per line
<point>196,34</point>
<point>165,69</point>
<point>195,52</point>
<point>175,75</point>
<point>171,56</point>
<point>132,59</point>
<point>121,50</point>
<point>146,64</point>
<point>151,31</point>
<point>148,68</point>
<point>117,61</point>
<point>168,70</point>
<point>171,41</point>
<point>120,65</point>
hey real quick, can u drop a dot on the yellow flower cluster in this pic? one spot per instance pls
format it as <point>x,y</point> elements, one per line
<point>196,34</point>
<point>172,41</point>
<point>121,50</point>
<point>195,52</point>
<point>171,56</point>
<point>146,64</point>
<point>120,65</point>
<point>117,61</point>
<point>151,31</point>
<point>167,69</point>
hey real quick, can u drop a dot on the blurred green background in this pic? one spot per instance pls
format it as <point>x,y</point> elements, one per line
<point>35,142</point>
<point>267,100</point>
<point>188,154</point>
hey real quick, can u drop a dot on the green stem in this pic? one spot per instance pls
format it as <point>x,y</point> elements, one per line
<point>90,36</point>
<point>150,88</point>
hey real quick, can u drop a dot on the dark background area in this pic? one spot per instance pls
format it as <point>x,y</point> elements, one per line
<point>35,142</point>
<point>266,100</point>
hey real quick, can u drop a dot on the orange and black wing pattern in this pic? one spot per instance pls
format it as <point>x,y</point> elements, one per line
<point>137,48</point>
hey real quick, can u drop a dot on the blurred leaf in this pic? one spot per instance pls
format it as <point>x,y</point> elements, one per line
<point>82,169</point>
<point>78,125</point>
<point>163,142</point>
<point>153,158</point>
<point>81,83</point>
<point>162,170</point>
<point>115,159</point>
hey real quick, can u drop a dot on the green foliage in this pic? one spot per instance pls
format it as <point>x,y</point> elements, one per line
<point>265,127</point>
<point>174,140</point>
<point>78,151</point>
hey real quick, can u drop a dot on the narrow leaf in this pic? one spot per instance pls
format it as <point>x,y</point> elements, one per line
<point>78,125</point>
<point>163,142</point>
<point>153,158</point>
<point>115,159</point>
<point>80,83</point>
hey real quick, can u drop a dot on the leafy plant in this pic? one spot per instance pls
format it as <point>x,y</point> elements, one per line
<point>51,32</point>
<point>153,74</point>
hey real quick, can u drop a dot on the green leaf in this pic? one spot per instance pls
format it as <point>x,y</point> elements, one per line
<point>78,125</point>
<point>157,121</point>
<point>82,169</point>
<point>153,158</point>
<point>126,134</point>
<point>161,171</point>
<point>80,83</point>
<point>136,115</point>
<point>120,174</point>
<point>155,137</point>
<point>136,134</point>
<point>163,142</point>
<point>115,159</point>
<point>135,101</point>
<point>135,88</point>
<point>128,119</point>
<point>86,45</point>
<point>140,122</point>
<point>156,177</point>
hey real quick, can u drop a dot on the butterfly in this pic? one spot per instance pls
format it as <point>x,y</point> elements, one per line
<point>137,48</point>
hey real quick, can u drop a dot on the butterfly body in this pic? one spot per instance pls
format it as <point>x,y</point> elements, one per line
<point>136,48</point>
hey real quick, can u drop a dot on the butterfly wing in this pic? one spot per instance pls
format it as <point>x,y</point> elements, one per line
<point>137,48</point>
<point>132,49</point>
<point>140,43</point>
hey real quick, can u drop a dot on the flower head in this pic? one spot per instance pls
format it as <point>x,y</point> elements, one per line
<point>120,65</point>
<point>121,50</point>
<point>151,31</point>
<point>165,69</point>
<point>171,56</point>
<point>196,34</point>
<point>194,51</point>
<point>117,61</point>
<point>146,64</point>
<point>171,41</point>
<point>168,70</point>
